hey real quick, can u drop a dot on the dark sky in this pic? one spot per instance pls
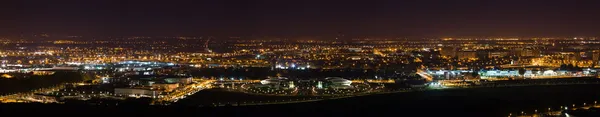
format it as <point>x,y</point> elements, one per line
<point>303,17</point>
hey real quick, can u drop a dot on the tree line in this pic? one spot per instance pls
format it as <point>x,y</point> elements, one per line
<point>28,82</point>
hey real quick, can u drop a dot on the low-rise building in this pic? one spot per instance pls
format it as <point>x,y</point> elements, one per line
<point>168,87</point>
<point>136,92</point>
<point>467,54</point>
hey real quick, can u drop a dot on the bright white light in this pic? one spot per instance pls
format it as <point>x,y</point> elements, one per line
<point>549,73</point>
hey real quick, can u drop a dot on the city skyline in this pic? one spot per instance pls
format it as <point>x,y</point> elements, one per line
<point>439,58</point>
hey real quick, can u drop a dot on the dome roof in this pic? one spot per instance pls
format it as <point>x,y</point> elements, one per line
<point>273,80</point>
<point>338,80</point>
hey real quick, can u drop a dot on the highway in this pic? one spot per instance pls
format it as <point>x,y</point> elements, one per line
<point>182,92</point>
<point>424,75</point>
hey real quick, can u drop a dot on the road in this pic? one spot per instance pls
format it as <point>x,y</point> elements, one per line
<point>424,75</point>
<point>181,92</point>
<point>554,112</point>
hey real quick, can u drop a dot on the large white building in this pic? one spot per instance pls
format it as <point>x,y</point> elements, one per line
<point>338,81</point>
<point>536,74</point>
<point>274,81</point>
<point>133,92</point>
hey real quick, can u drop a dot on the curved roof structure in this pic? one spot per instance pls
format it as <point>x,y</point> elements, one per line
<point>338,81</point>
<point>276,80</point>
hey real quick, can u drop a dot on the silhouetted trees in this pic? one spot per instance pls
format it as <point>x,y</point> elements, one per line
<point>30,82</point>
<point>522,72</point>
<point>570,67</point>
<point>475,74</point>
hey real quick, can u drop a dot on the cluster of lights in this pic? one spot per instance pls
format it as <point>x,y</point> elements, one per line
<point>292,66</point>
<point>230,79</point>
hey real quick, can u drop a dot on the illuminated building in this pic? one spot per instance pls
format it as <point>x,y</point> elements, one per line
<point>43,72</point>
<point>338,81</point>
<point>291,84</point>
<point>448,51</point>
<point>466,54</point>
<point>595,57</point>
<point>134,92</point>
<point>274,81</point>
<point>168,87</point>
<point>529,52</point>
<point>319,85</point>
<point>6,76</point>
<point>498,54</point>
<point>355,49</point>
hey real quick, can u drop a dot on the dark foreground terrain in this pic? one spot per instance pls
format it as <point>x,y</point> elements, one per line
<point>480,102</point>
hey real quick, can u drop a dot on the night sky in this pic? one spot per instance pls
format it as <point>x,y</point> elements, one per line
<point>302,17</point>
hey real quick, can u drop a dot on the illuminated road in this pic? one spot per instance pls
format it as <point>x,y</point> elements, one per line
<point>556,111</point>
<point>424,75</point>
<point>181,93</point>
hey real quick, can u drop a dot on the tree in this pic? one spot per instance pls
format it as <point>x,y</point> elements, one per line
<point>563,67</point>
<point>522,72</point>
<point>570,67</point>
<point>475,74</point>
<point>534,71</point>
<point>577,68</point>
